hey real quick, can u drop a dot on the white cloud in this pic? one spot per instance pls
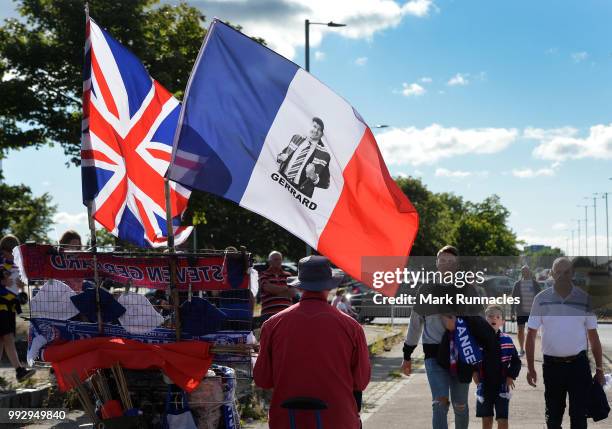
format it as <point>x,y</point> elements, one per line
<point>69,219</point>
<point>559,144</point>
<point>426,79</point>
<point>528,173</point>
<point>281,22</point>
<point>458,80</point>
<point>552,51</point>
<point>361,61</point>
<point>46,183</point>
<point>548,133</point>
<point>428,145</point>
<point>412,89</point>
<point>458,174</point>
<point>559,226</point>
<point>580,56</point>
<point>319,56</point>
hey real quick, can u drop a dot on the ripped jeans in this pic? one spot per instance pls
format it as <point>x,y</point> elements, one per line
<point>441,383</point>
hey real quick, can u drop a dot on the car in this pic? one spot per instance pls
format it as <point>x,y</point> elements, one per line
<point>288,266</point>
<point>361,299</point>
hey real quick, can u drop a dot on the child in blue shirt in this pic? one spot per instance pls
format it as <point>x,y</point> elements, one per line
<point>510,368</point>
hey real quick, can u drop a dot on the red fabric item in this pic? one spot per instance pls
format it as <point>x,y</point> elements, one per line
<point>184,362</point>
<point>111,409</point>
<point>372,220</point>
<point>312,349</point>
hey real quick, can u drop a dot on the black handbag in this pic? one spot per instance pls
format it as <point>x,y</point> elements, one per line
<point>597,405</point>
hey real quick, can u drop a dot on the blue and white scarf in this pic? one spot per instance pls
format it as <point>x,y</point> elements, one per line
<point>463,347</point>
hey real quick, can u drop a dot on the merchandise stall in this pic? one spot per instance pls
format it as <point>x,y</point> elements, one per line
<point>144,339</point>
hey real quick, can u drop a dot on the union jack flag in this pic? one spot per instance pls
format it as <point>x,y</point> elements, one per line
<point>128,126</point>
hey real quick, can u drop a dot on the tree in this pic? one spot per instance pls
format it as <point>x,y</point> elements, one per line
<point>24,215</point>
<point>221,223</point>
<point>476,229</point>
<point>435,221</point>
<point>42,59</point>
<point>483,230</point>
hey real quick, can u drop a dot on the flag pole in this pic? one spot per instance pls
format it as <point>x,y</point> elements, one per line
<point>94,251</point>
<point>172,255</point>
<point>92,231</point>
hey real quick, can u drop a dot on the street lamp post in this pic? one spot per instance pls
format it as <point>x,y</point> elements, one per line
<point>307,25</point>
<point>586,229</point>
<point>578,222</point>
<point>595,224</point>
<point>604,196</point>
<point>607,229</point>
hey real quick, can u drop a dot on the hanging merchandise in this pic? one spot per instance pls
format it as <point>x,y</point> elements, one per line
<point>53,301</point>
<point>140,316</point>
<point>200,317</point>
<point>203,272</point>
<point>177,415</point>
<point>110,309</point>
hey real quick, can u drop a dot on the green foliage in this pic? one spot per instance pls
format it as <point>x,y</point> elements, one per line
<point>105,238</point>
<point>476,229</point>
<point>42,59</point>
<point>22,214</point>
<point>435,221</point>
<point>221,223</point>
<point>482,230</point>
<point>542,258</point>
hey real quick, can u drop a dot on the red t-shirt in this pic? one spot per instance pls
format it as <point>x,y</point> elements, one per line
<point>270,303</point>
<point>312,349</point>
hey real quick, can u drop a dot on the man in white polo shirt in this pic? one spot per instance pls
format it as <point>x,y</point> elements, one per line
<point>568,326</point>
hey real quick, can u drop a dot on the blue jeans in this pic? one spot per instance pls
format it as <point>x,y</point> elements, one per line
<point>441,383</point>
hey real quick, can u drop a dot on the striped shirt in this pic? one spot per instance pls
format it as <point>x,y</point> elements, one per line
<point>507,349</point>
<point>270,303</point>
<point>564,321</point>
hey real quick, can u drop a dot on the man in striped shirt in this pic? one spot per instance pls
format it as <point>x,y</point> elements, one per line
<point>275,294</point>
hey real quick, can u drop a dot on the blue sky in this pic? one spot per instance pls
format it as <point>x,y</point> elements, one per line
<point>482,97</point>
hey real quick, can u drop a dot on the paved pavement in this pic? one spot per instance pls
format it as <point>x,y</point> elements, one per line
<point>394,401</point>
<point>407,402</point>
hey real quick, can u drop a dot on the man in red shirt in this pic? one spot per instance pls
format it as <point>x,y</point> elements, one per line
<point>313,350</point>
<point>275,294</point>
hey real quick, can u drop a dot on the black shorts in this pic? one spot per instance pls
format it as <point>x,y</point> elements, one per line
<point>7,323</point>
<point>522,320</point>
<point>501,406</point>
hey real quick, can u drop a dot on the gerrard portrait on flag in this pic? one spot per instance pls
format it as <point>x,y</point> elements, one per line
<point>258,130</point>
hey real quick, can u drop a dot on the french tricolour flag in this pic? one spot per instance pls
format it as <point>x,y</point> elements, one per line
<point>258,130</point>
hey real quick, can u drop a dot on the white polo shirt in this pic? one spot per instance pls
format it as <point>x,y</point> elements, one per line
<point>564,322</point>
